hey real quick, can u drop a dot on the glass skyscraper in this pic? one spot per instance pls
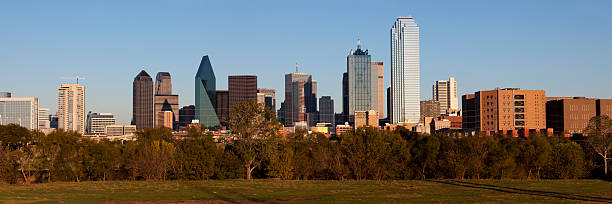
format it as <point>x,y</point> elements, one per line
<point>205,94</point>
<point>405,71</point>
<point>20,111</point>
<point>361,82</point>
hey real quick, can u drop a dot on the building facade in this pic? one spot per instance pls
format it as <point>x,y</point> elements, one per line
<point>446,93</point>
<point>571,115</point>
<point>142,101</point>
<point>326,110</point>
<point>205,94</point>
<point>298,90</point>
<point>269,97</point>
<point>222,106</point>
<point>164,100</point>
<point>21,111</point>
<point>43,119</point>
<point>430,108</point>
<point>362,82</point>
<point>164,119</point>
<point>345,98</point>
<point>405,71</point>
<point>380,86</point>
<point>508,111</point>
<point>119,130</point>
<point>241,88</point>
<point>71,107</point>
<point>97,121</point>
<point>186,115</point>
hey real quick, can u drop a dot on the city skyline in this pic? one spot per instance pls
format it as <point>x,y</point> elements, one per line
<point>476,53</point>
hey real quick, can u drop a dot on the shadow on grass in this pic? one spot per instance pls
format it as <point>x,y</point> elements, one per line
<point>504,189</point>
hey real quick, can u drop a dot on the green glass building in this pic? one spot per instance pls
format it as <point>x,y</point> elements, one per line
<point>205,91</point>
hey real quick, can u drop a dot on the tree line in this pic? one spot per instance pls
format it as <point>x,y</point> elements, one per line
<point>257,149</point>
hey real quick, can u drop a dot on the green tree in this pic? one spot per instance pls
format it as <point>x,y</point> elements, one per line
<point>568,161</point>
<point>100,159</point>
<point>535,154</point>
<point>599,138</point>
<point>196,155</point>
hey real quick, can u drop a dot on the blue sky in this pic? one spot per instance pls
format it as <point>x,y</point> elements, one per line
<point>562,47</point>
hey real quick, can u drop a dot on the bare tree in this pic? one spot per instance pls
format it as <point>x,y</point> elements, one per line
<point>599,137</point>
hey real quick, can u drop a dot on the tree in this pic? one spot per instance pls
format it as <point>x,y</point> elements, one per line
<point>18,142</point>
<point>599,138</point>
<point>568,161</point>
<point>535,154</point>
<point>253,125</point>
<point>196,156</point>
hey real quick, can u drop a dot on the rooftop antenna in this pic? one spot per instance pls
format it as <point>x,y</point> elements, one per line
<point>77,78</point>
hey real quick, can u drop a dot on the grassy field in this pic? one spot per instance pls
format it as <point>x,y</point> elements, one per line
<point>271,191</point>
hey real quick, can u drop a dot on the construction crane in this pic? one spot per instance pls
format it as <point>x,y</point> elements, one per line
<point>77,78</point>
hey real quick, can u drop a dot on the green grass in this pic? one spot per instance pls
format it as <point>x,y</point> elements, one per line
<point>242,191</point>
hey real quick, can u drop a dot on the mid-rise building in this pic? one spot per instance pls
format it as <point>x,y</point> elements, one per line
<point>430,108</point>
<point>405,71</point>
<point>455,121</point>
<point>446,93</point>
<point>326,110</point>
<point>571,115</point>
<point>362,82</point>
<point>205,94</point>
<point>380,86</point>
<point>241,88</point>
<point>186,115</point>
<point>43,119</point>
<point>142,101</point>
<point>366,118</point>
<point>71,107</point>
<point>343,129</point>
<point>119,130</point>
<point>508,111</point>
<point>269,97</point>
<point>164,100</point>
<point>604,107</point>
<point>20,111</point>
<point>97,121</point>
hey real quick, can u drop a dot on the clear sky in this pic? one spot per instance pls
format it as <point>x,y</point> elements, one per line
<point>562,47</point>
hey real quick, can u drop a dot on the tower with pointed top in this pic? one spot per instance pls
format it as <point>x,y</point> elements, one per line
<point>205,93</point>
<point>405,71</point>
<point>142,101</point>
<point>164,100</point>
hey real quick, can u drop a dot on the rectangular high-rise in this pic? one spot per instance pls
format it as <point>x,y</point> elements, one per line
<point>405,71</point>
<point>71,107</point>
<point>379,69</point>
<point>446,93</point>
<point>20,111</point>
<point>222,105</point>
<point>508,111</point>
<point>164,100</point>
<point>326,110</point>
<point>241,88</point>
<point>142,101</point>
<point>362,82</point>
<point>298,90</point>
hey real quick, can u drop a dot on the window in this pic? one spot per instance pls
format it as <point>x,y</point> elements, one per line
<point>519,96</point>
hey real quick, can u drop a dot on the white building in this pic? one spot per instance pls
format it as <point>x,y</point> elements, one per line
<point>446,93</point>
<point>405,71</point>
<point>20,111</point>
<point>97,121</point>
<point>71,107</point>
<point>43,119</point>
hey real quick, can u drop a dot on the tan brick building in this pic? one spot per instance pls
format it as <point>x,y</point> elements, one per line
<point>508,111</point>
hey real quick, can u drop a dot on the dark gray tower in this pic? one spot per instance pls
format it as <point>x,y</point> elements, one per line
<point>142,101</point>
<point>205,91</point>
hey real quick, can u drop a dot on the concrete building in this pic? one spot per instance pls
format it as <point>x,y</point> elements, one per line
<point>508,111</point>
<point>268,96</point>
<point>21,111</point>
<point>142,101</point>
<point>380,85</point>
<point>455,121</point>
<point>362,82</point>
<point>604,107</point>
<point>366,118</point>
<point>405,71</point>
<point>241,88</point>
<point>205,95</point>
<point>164,100</point>
<point>119,130</point>
<point>343,129</point>
<point>43,119</point>
<point>430,108</point>
<point>571,115</point>
<point>97,121</point>
<point>164,119</point>
<point>446,93</point>
<point>298,90</point>
<point>71,107</point>
<point>326,110</point>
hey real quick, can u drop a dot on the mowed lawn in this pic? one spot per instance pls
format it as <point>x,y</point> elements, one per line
<point>276,191</point>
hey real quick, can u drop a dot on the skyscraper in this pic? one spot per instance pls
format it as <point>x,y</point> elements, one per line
<point>405,71</point>
<point>222,105</point>
<point>345,97</point>
<point>446,93</point>
<point>298,90</point>
<point>362,82</point>
<point>71,107</point>
<point>142,101</point>
<point>379,67</point>
<point>20,111</point>
<point>326,110</point>
<point>241,88</point>
<point>205,92</point>
<point>164,100</point>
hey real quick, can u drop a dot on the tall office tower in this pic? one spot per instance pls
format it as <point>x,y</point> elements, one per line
<point>20,111</point>
<point>205,94</point>
<point>509,111</point>
<point>446,93</point>
<point>379,67</point>
<point>186,115</point>
<point>362,82</point>
<point>43,119</point>
<point>310,89</point>
<point>296,95</point>
<point>345,97</point>
<point>405,71</point>
<point>269,97</point>
<point>97,121</point>
<point>142,101</point>
<point>389,106</point>
<point>71,107</point>
<point>222,105</point>
<point>326,110</point>
<point>241,88</point>
<point>164,100</point>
